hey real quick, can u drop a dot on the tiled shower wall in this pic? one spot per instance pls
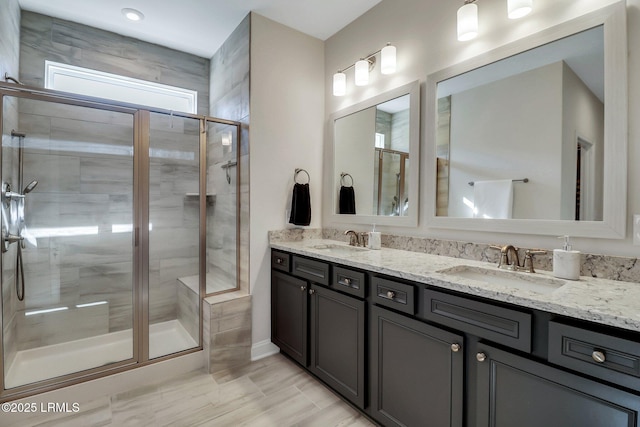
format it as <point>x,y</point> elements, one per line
<point>105,182</point>
<point>230,99</point>
<point>9,62</point>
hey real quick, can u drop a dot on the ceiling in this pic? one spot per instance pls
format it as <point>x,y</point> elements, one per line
<point>200,27</point>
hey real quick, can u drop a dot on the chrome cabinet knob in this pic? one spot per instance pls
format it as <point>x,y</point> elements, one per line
<point>278,260</point>
<point>481,357</point>
<point>455,347</point>
<point>302,288</point>
<point>598,356</point>
<point>391,294</point>
<point>312,291</point>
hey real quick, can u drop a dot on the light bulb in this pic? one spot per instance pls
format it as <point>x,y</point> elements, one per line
<point>339,84</point>
<point>362,73</point>
<point>388,60</point>
<point>467,22</point>
<point>518,8</point>
<point>132,14</point>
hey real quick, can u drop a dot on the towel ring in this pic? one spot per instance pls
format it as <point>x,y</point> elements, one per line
<point>343,175</point>
<point>295,176</point>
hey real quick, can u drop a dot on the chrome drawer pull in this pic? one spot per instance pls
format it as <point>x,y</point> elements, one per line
<point>598,356</point>
<point>391,294</point>
<point>455,347</point>
<point>347,281</point>
<point>481,357</point>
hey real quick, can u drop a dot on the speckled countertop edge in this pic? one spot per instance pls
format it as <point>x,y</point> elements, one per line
<point>606,302</point>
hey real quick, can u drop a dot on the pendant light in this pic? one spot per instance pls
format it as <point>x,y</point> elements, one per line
<point>468,21</point>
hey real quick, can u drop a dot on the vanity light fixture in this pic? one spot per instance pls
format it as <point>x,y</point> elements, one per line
<point>468,16</point>
<point>468,21</point>
<point>363,67</point>
<point>362,73</point>
<point>132,14</point>
<point>518,8</point>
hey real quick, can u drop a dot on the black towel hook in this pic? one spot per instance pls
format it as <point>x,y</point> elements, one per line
<point>343,175</point>
<point>295,176</point>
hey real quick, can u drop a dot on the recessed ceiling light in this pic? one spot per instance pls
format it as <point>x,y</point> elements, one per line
<point>132,14</point>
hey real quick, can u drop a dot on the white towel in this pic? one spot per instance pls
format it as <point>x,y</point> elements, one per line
<point>493,199</point>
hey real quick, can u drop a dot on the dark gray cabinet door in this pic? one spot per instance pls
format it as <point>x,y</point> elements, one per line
<point>416,372</point>
<point>289,315</point>
<point>337,342</point>
<point>514,391</point>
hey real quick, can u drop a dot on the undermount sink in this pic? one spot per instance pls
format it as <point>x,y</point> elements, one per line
<point>337,249</point>
<point>525,281</point>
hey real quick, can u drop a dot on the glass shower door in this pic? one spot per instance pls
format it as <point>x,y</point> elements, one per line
<point>67,245</point>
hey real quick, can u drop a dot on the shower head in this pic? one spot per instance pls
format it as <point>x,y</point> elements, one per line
<point>29,188</point>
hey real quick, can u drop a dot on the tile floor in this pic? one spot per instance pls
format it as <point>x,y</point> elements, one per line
<point>270,392</point>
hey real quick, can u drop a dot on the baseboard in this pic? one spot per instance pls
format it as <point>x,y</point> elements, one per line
<point>263,349</point>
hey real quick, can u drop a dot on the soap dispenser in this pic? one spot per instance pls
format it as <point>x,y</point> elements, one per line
<point>566,263</point>
<point>375,239</point>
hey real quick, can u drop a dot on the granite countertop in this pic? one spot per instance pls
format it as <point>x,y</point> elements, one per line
<point>607,302</point>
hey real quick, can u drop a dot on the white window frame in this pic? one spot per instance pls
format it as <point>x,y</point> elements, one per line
<point>84,81</point>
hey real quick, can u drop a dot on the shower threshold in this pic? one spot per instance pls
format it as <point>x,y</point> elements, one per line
<point>43,363</point>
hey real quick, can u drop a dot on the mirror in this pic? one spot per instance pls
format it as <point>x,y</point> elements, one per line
<point>372,147</point>
<point>531,134</point>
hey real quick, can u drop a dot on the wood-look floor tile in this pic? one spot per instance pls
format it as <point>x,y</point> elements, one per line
<point>338,414</point>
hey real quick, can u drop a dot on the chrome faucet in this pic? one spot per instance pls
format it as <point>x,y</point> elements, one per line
<point>515,263</point>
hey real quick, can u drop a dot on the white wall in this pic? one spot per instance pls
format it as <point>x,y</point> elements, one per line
<point>355,155</point>
<point>498,130</point>
<point>287,107</point>
<point>583,116</point>
<point>424,32</point>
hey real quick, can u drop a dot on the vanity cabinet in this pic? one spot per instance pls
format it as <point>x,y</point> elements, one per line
<point>289,315</point>
<point>416,372</point>
<point>337,332</point>
<point>516,391</point>
<point>321,328</point>
<point>412,354</point>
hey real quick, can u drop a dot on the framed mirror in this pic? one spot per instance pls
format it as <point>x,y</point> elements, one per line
<point>531,138</point>
<point>374,158</point>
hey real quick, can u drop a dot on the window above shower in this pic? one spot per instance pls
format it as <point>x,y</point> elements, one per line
<point>88,82</point>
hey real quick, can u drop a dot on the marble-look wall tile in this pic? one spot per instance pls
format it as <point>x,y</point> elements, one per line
<point>188,307</point>
<point>229,91</point>
<point>46,38</point>
<point>9,63</point>
<point>229,332</point>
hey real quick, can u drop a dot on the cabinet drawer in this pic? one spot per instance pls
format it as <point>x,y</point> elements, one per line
<point>349,281</point>
<point>610,358</point>
<point>314,271</point>
<point>398,296</point>
<point>498,324</point>
<point>280,260</point>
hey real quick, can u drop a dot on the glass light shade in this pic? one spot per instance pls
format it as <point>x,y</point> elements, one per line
<point>339,84</point>
<point>362,73</point>
<point>467,22</point>
<point>388,60</point>
<point>227,138</point>
<point>519,8</point>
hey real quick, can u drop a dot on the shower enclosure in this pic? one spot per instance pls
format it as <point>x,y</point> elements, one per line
<point>110,215</point>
